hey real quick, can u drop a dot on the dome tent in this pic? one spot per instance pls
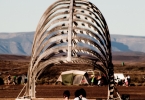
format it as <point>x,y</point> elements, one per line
<point>73,77</point>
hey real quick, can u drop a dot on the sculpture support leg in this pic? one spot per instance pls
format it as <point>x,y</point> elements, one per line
<point>33,88</point>
<point>28,84</point>
<point>111,82</point>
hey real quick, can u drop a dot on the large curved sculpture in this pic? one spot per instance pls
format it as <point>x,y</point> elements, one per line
<point>74,32</point>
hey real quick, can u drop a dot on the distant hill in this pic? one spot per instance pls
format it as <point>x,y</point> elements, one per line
<point>16,43</point>
<point>21,43</point>
<point>128,43</point>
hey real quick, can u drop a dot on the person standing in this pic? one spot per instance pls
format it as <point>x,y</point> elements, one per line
<point>66,94</point>
<point>92,80</point>
<point>77,95</point>
<point>25,79</point>
<point>126,81</point>
<point>19,79</point>
<point>83,94</point>
<point>9,79</point>
<point>129,80</point>
<point>80,94</point>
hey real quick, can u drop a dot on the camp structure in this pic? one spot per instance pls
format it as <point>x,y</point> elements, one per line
<point>74,77</point>
<point>119,75</point>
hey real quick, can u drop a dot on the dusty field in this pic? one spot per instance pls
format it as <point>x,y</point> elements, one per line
<point>50,91</point>
<point>18,65</point>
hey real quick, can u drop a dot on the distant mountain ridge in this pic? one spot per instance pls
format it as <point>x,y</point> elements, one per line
<point>21,43</point>
<point>16,43</point>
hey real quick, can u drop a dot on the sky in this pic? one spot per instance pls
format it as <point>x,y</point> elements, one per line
<point>123,17</point>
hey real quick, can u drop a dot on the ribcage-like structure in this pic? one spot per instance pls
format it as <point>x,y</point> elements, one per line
<point>74,32</point>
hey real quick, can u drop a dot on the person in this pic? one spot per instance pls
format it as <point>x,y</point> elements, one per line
<point>123,64</point>
<point>92,80</point>
<point>104,80</point>
<point>25,79</point>
<point>80,94</point>
<point>19,79</point>
<point>9,79</point>
<point>99,81</point>
<point>126,81</point>
<point>66,94</point>
<point>83,94</point>
<point>14,80</point>
<point>77,95</point>
<point>129,80</point>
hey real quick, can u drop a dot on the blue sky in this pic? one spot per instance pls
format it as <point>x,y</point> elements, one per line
<point>124,17</point>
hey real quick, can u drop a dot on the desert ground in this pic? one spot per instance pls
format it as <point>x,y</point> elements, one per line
<point>18,65</point>
<point>50,91</point>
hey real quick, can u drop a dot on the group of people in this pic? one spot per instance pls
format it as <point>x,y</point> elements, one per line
<point>98,80</point>
<point>16,79</point>
<point>127,80</point>
<point>123,82</point>
<point>80,94</point>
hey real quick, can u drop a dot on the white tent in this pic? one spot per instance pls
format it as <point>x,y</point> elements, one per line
<point>118,77</point>
<point>73,77</point>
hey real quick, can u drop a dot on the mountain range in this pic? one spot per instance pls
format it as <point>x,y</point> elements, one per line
<point>21,43</point>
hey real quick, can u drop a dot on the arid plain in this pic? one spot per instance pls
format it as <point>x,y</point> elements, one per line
<point>18,65</point>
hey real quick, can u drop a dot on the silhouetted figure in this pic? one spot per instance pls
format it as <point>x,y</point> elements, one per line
<point>77,95</point>
<point>80,94</point>
<point>66,94</point>
<point>19,79</point>
<point>129,80</point>
<point>83,92</point>
<point>25,80</point>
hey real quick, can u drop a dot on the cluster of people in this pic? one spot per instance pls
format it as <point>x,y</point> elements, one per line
<point>98,80</point>
<point>123,82</point>
<point>127,80</point>
<point>101,80</point>
<point>80,94</point>
<point>16,79</point>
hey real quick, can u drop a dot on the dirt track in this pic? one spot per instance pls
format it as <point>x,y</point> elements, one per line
<point>50,91</point>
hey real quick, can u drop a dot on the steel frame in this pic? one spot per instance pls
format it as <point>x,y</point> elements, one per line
<point>75,32</point>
